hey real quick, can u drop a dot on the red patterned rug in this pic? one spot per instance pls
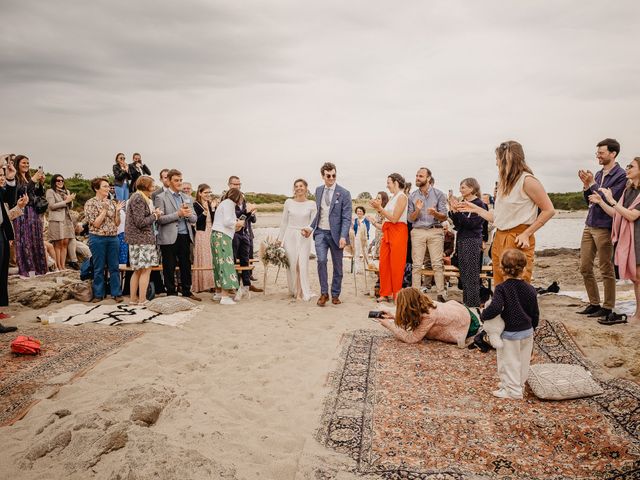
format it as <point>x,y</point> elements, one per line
<point>426,411</point>
<point>67,353</point>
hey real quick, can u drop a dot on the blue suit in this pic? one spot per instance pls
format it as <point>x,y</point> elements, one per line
<point>329,240</point>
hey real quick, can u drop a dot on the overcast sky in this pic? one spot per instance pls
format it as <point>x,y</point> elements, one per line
<point>269,90</point>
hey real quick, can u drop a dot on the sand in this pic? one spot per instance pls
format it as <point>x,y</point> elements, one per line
<point>235,393</point>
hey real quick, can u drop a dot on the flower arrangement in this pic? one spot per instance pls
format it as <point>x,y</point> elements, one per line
<point>272,253</point>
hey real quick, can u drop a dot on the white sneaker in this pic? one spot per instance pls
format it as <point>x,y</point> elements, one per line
<point>243,292</point>
<point>504,394</point>
<point>227,301</point>
<point>216,297</point>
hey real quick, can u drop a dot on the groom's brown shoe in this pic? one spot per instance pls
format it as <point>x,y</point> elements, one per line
<point>335,301</point>
<point>324,298</point>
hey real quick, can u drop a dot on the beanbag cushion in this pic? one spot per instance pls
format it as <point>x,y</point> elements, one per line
<point>168,305</point>
<point>558,381</point>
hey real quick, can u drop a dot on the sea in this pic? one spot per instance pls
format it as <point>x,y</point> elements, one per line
<point>565,230</point>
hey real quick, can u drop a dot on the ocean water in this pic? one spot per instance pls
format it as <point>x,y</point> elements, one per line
<point>557,233</point>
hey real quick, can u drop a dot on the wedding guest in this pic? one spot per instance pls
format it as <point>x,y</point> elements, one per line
<point>175,235</point>
<point>28,228</point>
<point>427,210</point>
<point>468,248</point>
<point>377,222</point>
<point>136,170</point>
<point>122,177</point>
<point>393,249</point>
<point>625,234</point>
<point>295,235</point>
<point>596,236</point>
<point>164,184</point>
<point>205,208</point>
<point>187,189</point>
<point>103,216</point>
<point>61,227</point>
<point>522,207</point>
<point>417,317</point>
<point>516,301</point>
<point>225,224</point>
<point>7,198</point>
<point>331,231</point>
<point>361,227</point>
<point>243,239</point>
<point>140,236</point>
<point>488,232</point>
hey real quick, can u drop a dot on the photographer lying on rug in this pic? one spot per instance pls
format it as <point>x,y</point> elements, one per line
<point>417,317</point>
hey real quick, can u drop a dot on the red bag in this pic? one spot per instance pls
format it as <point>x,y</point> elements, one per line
<point>24,345</point>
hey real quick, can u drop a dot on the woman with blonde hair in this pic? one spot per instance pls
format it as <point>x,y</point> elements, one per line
<point>522,207</point>
<point>625,235</point>
<point>417,317</point>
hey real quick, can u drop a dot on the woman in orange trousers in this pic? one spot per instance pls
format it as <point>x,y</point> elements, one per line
<point>393,247</point>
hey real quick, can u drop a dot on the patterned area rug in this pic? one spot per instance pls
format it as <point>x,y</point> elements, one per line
<point>426,411</point>
<point>118,314</point>
<point>67,353</point>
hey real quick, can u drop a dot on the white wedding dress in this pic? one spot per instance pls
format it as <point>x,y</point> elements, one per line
<point>295,217</point>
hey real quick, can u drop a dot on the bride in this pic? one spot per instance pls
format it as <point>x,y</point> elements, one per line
<point>295,235</point>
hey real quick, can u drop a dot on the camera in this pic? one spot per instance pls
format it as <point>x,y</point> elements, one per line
<point>376,314</point>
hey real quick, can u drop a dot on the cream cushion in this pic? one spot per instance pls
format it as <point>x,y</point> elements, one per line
<point>558,381</point>
<point>170,304</point>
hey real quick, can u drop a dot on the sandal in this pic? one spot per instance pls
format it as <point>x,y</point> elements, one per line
<point>613,319</point>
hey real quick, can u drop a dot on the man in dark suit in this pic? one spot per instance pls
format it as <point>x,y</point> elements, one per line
<point>243,240</point>
<point>331,231</point>
<point>7,200</point>
<point>175,234</point>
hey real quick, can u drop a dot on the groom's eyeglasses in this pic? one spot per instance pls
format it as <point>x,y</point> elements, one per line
<point>330,175</point>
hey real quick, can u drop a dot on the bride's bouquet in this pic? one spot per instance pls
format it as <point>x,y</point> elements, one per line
<point>272,253</point>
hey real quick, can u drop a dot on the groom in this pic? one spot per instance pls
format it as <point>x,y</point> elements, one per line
<point>330,231</point>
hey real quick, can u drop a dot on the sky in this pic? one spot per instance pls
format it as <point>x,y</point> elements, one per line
<point>270,90</point>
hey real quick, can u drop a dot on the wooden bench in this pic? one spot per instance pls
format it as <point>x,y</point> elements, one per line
<point>486,273</point>
<point>194,268</point>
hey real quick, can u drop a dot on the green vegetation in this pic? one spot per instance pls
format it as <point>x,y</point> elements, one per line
<point>568,201</point>
<point>260,198</point>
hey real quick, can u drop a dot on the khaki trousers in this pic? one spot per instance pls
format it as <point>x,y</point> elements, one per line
<point>597,241</point>
<point>504,240</point>
<point>432,239</point>
<point>513,364</point>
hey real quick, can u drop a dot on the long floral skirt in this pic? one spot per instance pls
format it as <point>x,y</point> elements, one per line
<point>29,243</point>
<point>224,269</point>
<point>202,279</point>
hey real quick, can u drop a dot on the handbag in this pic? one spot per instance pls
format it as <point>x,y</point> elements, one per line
<point>41,204</point>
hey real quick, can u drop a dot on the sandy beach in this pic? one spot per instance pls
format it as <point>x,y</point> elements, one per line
<point>239,390</point>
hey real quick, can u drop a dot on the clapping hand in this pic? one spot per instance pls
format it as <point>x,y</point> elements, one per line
<point>586,176</point>
<point>23,200</point>
<point>377,204</point>
<point>469,207</point>
<point>239,225</point>
<point>120,205</point>
<point>69,198</point>
<point>158,213</point>
<point>431,211</point>
<point>419,204</point>
<point>607,194</point>
<point>11,170</point>
<point>595,198</point>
